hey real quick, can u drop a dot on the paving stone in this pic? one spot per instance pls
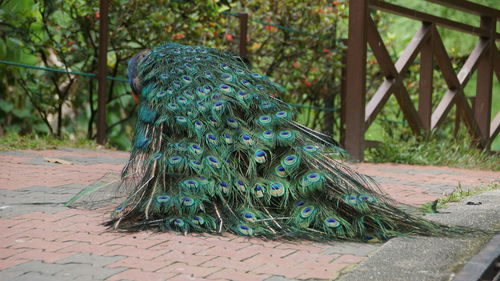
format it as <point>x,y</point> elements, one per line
<point>70,270</point>
<point>279,278</point>
<point>94,260</point>
<point>35,276</point>
<point>350,248</point>
<point>87,271</point>
<point>35,266</point>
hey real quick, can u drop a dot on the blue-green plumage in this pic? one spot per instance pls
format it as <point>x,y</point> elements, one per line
<point>216,151</point>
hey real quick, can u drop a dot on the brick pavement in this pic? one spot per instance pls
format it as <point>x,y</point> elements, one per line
<point>50,242</point>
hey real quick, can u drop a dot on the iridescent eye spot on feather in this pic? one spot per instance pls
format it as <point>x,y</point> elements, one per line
<point>246,139</point>
<point>195,149</point>
<point>265,120</point>
<point>313,180</point>
<point>198,220</point>
<point>163,198</point>
<point>212,139</point>
<point>277,189</point>
<point>175,160</point>
<point>213,162</point>
<point>189,95</point>
<point>260,87</point>
<point>245,230</point>
<point>202,107</point>
<point>256,75</point>
<point>179,222</point>
<point>351,199</point>
<point>218,106</point>
<point>367,198</point>
<point>239,71</point>
<point>299,203</point>
<point>268,133</point>
<point>224,66</point>
<point>244,96</point>
<point>228,139</point>
<point>280,171</point>
<point>161,94</point>
<point>245,83</point>
<point>163,76</point>
<point>186,79</point>
<point>240,185</point>
<point>119,208</point>
<point>201,92</point>
<point>307,212</point>
<point>286,137</point>
<point>266,105</point>
<point>282,114</point>
<point>187,201</point>
<point>195,165</point>
<point>214,122</point>
<point>231,122</point>
<point>249,217</point>
<point>331,222</point>
<point>208,75</point>
<point>290,160</point>
<point>259,190</point>
<point>227,77</point>
<point>181,119</point>
<point>190,183</point>
<point>176,84</point>
<point>310,148</point>
<point>260,156</point>
<point>182,100</point>
<point>225,88</point>
<point>172,106</point>
<point>224,187</point>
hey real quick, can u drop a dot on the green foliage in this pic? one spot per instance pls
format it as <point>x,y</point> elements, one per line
<point>13,141</point>
<point>435,150</point>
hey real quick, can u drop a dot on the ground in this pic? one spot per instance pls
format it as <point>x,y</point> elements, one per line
<point>45,241</point>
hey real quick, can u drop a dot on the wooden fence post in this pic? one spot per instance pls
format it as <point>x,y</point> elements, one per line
<point>426,80</point>
<point>356,79</point>
<point>102,71</point>
<point>243,17</point>
<point>484,86</point>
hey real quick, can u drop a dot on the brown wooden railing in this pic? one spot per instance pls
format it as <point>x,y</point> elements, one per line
<point>485,59</point>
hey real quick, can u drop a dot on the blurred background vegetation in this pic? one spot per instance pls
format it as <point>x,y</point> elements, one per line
<point>64,34</point>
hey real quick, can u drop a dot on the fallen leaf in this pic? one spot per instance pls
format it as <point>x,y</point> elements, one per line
<point>57,161</point>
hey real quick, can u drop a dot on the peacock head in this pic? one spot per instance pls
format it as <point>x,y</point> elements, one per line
<point>133,74</point>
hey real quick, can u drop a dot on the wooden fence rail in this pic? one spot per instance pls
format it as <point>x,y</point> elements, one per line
<point>485,59</point>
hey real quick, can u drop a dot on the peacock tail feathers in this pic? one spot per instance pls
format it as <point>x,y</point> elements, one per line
<point>214,151</point>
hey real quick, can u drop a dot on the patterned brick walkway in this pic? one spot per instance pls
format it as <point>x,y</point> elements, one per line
<point>50,242</point>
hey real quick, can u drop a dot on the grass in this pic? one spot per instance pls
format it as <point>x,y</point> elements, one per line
<point>434,151</point>
<point>12,141</point>
<point>456,196</point>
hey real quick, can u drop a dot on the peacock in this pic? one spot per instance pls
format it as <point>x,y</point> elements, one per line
<point>216,151</point>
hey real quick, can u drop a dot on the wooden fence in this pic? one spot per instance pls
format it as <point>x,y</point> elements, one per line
<point>485,59</point>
